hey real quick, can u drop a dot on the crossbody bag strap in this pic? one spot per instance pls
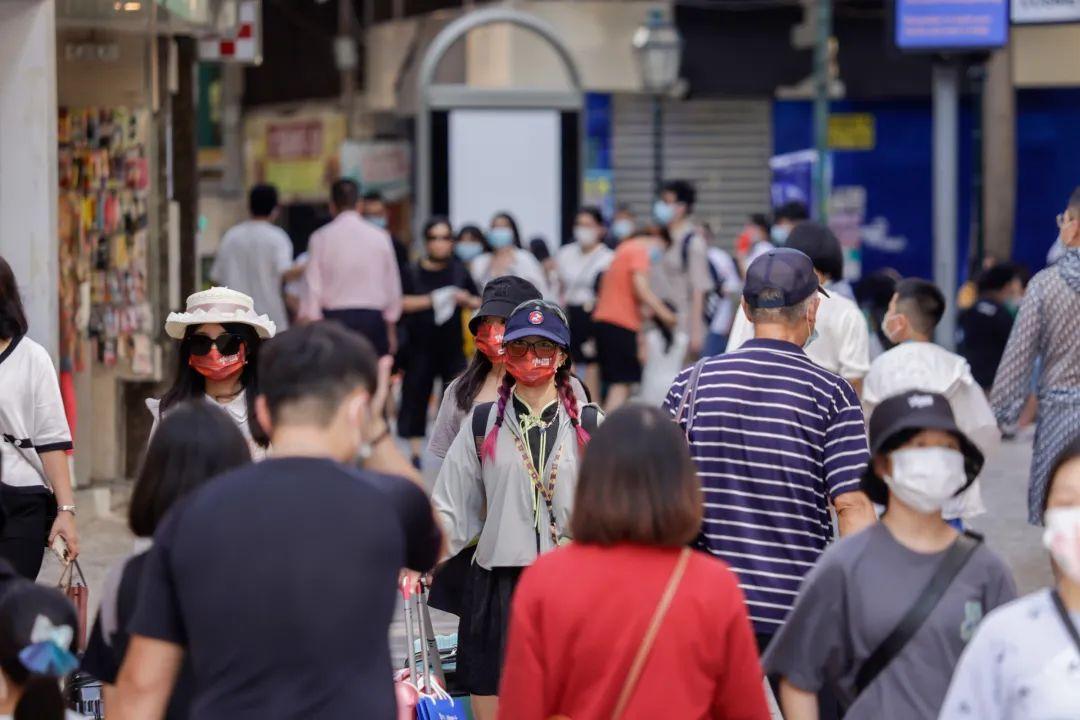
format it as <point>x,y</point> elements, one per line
<point>686,402</point>
<point>1063,613</point>
<point>954,561</point>
<point>650,635</point>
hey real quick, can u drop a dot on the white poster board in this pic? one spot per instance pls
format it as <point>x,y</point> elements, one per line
<point>1025,12</point>
<point>507,160</point>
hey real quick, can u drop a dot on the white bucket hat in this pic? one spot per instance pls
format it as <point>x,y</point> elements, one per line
<point>218,305</point>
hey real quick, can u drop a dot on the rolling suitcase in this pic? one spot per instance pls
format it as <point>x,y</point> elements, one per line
<point>425,671</point>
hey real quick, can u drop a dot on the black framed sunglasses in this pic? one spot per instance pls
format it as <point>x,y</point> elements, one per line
<point>226,343</point>
<point>439,236</point>
<point>542,348</point>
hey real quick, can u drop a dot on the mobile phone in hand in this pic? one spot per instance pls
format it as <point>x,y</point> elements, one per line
<point>59,546</point>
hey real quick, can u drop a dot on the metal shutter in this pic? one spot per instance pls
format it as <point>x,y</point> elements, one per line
<point>722,146</point>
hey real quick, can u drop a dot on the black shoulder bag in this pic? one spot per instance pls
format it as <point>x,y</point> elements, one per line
<point>448,580</point>
<point>954,561</point>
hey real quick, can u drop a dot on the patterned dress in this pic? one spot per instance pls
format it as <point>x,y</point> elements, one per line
<point>1048,327</point>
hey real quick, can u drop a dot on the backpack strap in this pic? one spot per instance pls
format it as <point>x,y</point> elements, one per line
<point>481,415</point>
<point>590,418</point>
<point>687,239</point>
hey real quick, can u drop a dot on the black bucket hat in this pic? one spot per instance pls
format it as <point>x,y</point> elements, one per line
<point>501,296</point>
<point>914,411</point>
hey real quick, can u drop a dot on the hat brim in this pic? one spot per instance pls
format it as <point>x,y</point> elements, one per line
<point>492,308</point>
<point>535,332</point>
<point>874,485</point>
<point>176,324</point>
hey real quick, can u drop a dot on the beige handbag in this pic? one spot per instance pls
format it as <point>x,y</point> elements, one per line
<point>650,637</point>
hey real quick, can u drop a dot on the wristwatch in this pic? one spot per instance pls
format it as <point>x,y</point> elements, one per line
<point>66,508</point>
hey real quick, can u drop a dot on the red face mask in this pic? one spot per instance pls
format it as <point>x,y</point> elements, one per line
<point>489,340</point>
<point>217,367</point>
<point>530,370</point>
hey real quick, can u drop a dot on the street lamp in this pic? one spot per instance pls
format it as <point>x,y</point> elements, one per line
<point>658,48</point>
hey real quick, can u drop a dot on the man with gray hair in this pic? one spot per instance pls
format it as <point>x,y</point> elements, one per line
<point>776,440</point>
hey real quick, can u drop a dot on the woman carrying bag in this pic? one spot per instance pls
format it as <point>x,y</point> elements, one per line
<point>627,623</point>
<point>515,491</point>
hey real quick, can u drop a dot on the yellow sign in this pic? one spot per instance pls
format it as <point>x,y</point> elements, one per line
<point>297,152</point>
<point>851,131</point>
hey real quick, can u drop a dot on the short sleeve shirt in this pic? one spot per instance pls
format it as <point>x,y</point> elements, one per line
<point>617,304</point>
<point>982,337</point>
<point>775,439</point>
<point>252,258</point>
<point>32,418</point>
<point>857,594</point>
<point>578,271</point>
<point>683,270</point>
<point>1021,665</point>
<point>423,333</point>
<point>279,580</point>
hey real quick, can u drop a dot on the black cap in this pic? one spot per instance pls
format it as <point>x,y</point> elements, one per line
<point>539,318</point>
<point>914,410</point>
<point>820,245</point>
<point>501,296</point>
<point>789,271</point>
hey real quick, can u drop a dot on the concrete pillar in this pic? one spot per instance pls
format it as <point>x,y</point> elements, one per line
<point>28,160</point>
<point>999,155</point>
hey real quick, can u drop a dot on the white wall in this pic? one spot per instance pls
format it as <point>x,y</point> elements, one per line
<point>28,159</point>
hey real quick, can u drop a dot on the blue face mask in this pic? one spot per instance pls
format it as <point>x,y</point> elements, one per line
<point>500,237</point>
<point>812,337</point>
<point>622,228</point>
<point>378,221</point>
<point>779,234</point>
<point>663,212</point>
<point>467,250</point>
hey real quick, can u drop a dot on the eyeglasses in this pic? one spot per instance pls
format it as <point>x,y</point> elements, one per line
<point>440,236</point>
<point>226,343</point>
<point>542,348</point>
<point>1064,219</point>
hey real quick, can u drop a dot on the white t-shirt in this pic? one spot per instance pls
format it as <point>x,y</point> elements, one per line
<point>252,258</point>
<point>930,367</point>
<point>843,342</point>
<point>32,418</point>
<point>731,288</point>
<point>236,409</point>
<point>1021,665</point>
<point>524,266</point>
<point>578,271</point>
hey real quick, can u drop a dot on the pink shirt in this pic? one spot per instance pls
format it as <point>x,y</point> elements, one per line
<point>351,266</point>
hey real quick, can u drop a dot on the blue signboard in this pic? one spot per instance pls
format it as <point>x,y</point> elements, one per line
<point>951,25</point>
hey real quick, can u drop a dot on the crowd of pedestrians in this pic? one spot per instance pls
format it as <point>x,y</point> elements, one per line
<point>670,481</point>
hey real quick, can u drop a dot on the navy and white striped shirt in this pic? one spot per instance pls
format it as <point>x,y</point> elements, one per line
<point>775,438</point>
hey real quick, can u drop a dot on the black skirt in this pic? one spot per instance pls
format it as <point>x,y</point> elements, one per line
<point>482,632</point>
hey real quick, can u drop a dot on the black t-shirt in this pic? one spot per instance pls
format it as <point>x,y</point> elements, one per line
<point>423,332</point>
<point>104,655</point>
<point>984,332</point>
<point>279,579</point>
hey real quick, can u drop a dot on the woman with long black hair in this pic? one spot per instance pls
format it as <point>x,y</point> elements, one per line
<point>513,495</point>
<point>508,256</point>
<point>36,501</point>
<point>220,335</point>
<point>194,443</point>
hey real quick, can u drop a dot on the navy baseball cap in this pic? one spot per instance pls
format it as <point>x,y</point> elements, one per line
<point>914,411</point>
<point>538,318</point>
<point>501,296</point>
<point>788,271</point>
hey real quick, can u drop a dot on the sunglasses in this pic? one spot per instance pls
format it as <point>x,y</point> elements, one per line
<point>440,236</point>
<point>542,348</point>
<point>226,343</point>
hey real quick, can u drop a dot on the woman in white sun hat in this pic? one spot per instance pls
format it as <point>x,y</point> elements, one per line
<point>219,336</point>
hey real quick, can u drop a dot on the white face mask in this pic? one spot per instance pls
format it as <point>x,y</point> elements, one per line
<point>1062,539</point>
<point>924,478</point>
<point>586,236</point>
<point>890,332</point>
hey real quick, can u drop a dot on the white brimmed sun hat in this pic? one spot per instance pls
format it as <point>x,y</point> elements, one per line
<point>219,305</point>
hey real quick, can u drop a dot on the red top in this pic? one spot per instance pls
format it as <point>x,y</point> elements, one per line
<point>579,615</point>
